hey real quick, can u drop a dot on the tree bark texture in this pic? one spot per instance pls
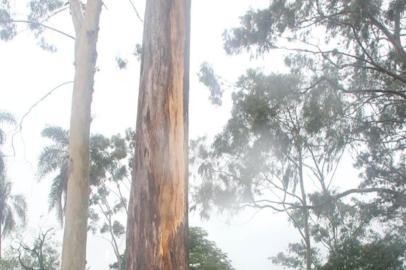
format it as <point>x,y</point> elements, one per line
<point>75,232</point>
<point>1,235</point>
<point>157,214</point>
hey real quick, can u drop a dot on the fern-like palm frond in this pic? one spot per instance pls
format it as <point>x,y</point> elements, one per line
<point>9,222</point>
<point>20,207</point>
<point>51,159</point>
<point>56,134</point>
<point>6,117</point>
<point>57,193</point>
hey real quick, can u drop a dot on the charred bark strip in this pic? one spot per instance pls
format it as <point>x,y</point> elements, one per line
<point>157,214</point>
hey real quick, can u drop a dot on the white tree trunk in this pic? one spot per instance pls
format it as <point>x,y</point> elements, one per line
<point>74,241</point>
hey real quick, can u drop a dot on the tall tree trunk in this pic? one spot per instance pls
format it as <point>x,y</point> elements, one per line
<point>157,214</point>
<point>305,213</point>
<point>75,233</point>
<point>1,238</point>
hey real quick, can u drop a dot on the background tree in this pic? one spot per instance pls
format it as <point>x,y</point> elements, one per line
<point>5,118</point>
<point>357,48</point>
<point>12,208</point>
<point>363,80</point>
<point>109,172</point>
<point>9,263</point>
<point>381,253</point>
<point>346,232</point>
<point>157,213</point>
<point>204,254</point>
<point>279,142</point>
<point>40,255</point>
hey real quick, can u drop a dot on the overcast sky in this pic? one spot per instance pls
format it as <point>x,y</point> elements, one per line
<point>28,73</point>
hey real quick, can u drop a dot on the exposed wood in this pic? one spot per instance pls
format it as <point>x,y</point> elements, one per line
<point>157,214</point>
<point>75,233</point>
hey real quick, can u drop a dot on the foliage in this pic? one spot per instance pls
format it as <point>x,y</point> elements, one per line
<point>110,160</point>
<point>360,54</point>
<point>55,158</point>
<point>12,207</point>
<point>203,253</point>
<point>272,119</point>
<point>385,253</point>
<point>347,72</point>
<point>107,163</point>
<point>116,264</point>
<point>9,263</point>
<point>5,118</point>
<point>210,79</point>
<point>276,133</point>
<point>293,258</point>
<point>7,27</point>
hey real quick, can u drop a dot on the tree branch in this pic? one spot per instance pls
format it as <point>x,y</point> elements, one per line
<point>39,101</point>
<point>77,14</point>
<point>391,37</point>
<point>44,26</point>
<point>366,190</point>
<point>136,11</point>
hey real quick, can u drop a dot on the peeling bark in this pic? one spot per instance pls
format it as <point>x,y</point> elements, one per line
<point>75,232</point>
<point>157,214</point>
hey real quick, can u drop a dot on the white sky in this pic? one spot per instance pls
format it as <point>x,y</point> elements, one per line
<point>28,73</point>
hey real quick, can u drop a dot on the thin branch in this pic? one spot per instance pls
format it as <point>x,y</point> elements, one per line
<point>392,39</point>
<point>39,101</point>
<point>44,26</point>
<point>367,190</point>
<point>136,11</point>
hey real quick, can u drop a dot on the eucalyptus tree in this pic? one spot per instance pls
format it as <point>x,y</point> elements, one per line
<point>280,145</point>
<point>157,213</point>
<point>85,19</point>
<point>86,25</point>
<point>362,42</point>
<point>12,208</point>
<point>349,49</point>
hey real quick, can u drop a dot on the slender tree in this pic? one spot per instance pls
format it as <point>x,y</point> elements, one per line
<point>86,24</point>
<point>41,254</point>
<point>157,214</point>
<point>11,206</point>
